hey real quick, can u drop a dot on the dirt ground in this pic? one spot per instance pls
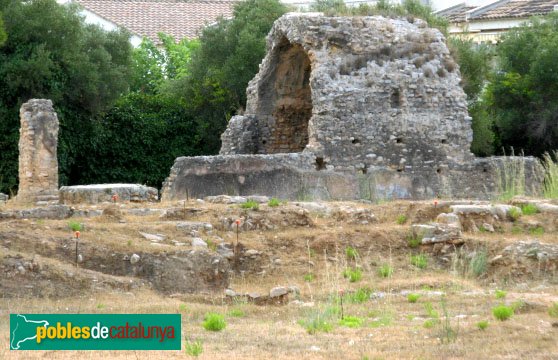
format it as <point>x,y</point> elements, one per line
<point>453,296</point>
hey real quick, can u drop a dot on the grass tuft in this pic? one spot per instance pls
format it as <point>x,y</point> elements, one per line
<point>413,298</point>
<point>550,189</point>
<point>251,205</point>
<point>502,312</point>
<point>529,209</point>
<point>420,261</point>
<point>351,253</point>
<point>214,322</point>
<point>353,274</point>
<point>193,348</point>
<point>482,325</point>
<point>385,271</point>
<point>273,202</point>
<point>401,219</point>
<point>500,294</point>
<point>351,321</point>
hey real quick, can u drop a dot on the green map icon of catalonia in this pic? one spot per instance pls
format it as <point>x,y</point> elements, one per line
<point>23,329</point>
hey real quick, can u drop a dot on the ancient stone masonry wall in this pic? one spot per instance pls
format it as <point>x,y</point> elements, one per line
<point>38,162</point>
<point>372,108</point>
<point>357,92</point>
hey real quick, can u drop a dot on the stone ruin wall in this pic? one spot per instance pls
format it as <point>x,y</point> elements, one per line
<point>373,107</point>
<point>357,92</point>
<point>38,162</point>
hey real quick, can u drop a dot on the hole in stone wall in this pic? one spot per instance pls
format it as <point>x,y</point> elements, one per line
<point>484,170</point>
<point>399,140</point>
<point>355,141</point>
<point>395,98</point>
<point>291,99</point>
<point>400,170</point>
<point>264,142</point>
<point>439,170</point>
<point>444,141</point>
<point>320,163</point>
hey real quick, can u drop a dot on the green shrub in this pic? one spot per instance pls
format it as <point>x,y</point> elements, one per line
<point>529,209</point>
<point>401,219</point>
<point>273,202</point>
<point>309,277</point>
<point>553,310</point>
<point>385,271</point>
<point>514,213</point>
<point>353,274</point>
<point>250,204</point>
<point>193,348</point>
<point>351,253</point>
<point>351,321</point>
<point>500,294</point>
<point>482,325</point>
<point>502,312</point>
<point>413,298</point>
<point>214,322</point>
<point>420,261</point>
<point>74,226</point>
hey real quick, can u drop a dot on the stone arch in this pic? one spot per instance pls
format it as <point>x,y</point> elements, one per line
<point>287,106</point>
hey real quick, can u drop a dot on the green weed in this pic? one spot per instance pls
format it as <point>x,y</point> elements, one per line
<point>214,322</point>
<point>420,261</point>
<point>353,274</point>
<point>385,271</point>
<point>502,312</point>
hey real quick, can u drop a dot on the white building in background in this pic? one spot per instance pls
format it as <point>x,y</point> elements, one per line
<point>487,23</point>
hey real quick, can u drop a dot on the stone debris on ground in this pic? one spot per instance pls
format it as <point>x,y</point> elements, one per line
<point>436,233</point>
<point>153,237</point>
<point>278,295</point>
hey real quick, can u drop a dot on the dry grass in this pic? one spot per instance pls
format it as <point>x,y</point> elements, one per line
<point>393,327</point>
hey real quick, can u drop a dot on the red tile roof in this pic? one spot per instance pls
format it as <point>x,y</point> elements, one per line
<point>181,19</point>
<point>456,13</point>
<point>518,9</point>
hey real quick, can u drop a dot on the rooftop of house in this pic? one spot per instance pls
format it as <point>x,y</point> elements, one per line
<point>146,18</point>
<point>502,9</point>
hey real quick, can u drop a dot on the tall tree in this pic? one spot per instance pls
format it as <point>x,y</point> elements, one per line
<point>226,60</point>
<point>51,53</point>
<point>523,96</point>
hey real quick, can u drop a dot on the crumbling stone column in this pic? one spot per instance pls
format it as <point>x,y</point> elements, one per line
<point>38,162</point>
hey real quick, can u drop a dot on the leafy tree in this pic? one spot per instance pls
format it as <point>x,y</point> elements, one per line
<point>138,140</point>
<point>523,96</point>
<point>227,59</point>
<point>152,66</point>
<point>475,65</point>
<point>3,35</point>
<point>51,53</point>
